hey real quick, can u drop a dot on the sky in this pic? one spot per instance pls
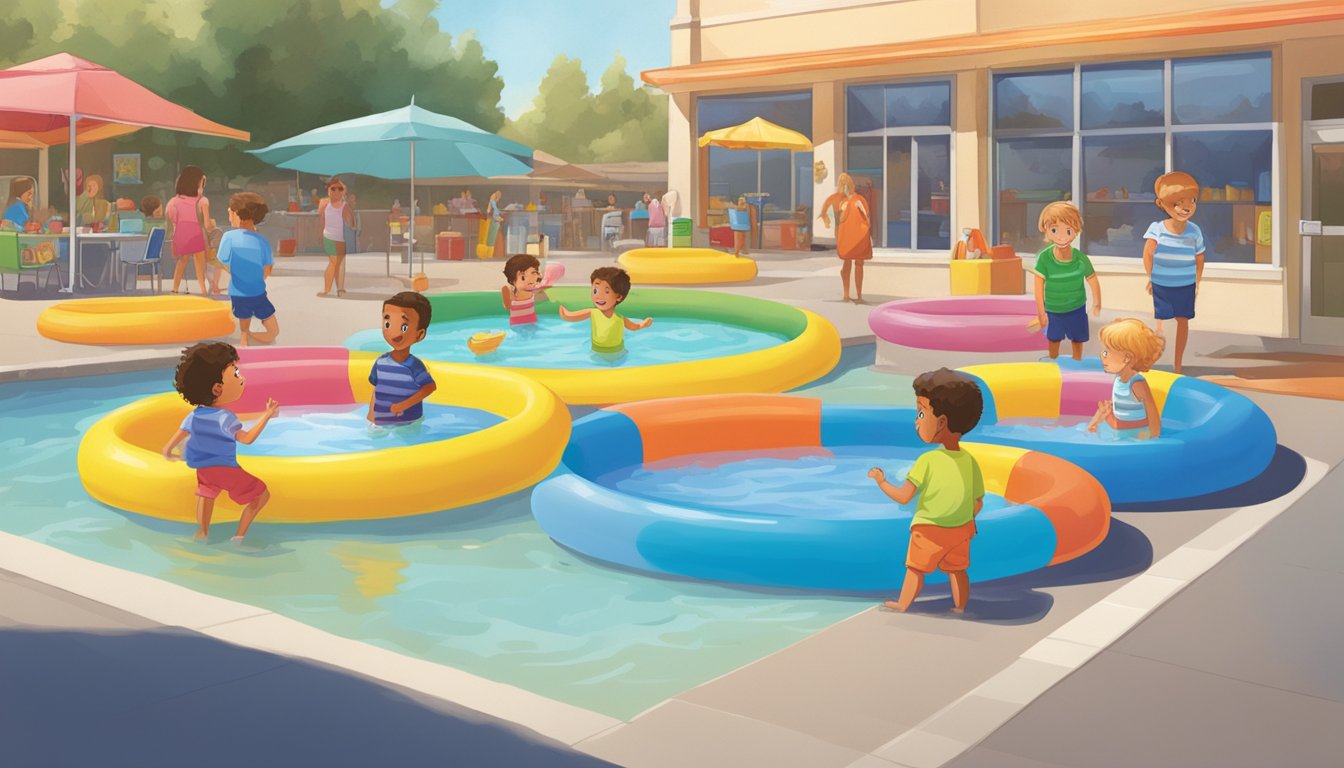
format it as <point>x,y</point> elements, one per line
<point>525,36</point>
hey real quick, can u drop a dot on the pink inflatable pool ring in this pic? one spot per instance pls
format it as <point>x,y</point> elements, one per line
<point>960,323</point>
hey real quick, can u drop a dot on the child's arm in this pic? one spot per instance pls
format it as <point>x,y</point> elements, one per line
<point>420,394</point>
<point>631,325</point>
<point>505,297</point>
<point>1150,248</point>
<point>582,314</point>
<point>979,505</point>
<point>249,436</point>
<point>1199,272</point>
<point>1145,396</point>
<point>1041,319</point>
<point>266,271</point>
<point>901,495</point>
<point>1095,284</point>
<point>1103,407</point>
<point>176,439</point>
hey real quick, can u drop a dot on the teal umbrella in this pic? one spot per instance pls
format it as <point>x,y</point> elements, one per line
<point>401,144</point>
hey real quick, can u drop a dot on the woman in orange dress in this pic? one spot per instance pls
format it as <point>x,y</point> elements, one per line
<point>853,232</point>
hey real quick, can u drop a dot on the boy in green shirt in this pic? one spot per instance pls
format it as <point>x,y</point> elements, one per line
<point>1060,271</point>
<point>949,483</point>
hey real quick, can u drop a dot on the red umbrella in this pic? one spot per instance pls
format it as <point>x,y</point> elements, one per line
<point>65,99</point>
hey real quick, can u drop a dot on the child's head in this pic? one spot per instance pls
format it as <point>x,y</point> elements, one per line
<point>405,319</point>
<point>247,206</point>
<point>21,188</point>
<point>523,270</point>
<point>190,182</point>
<point>1130,342</point>
<point>947,403</point>
<point>1060,222</point>
<point>151,206</point>
<point>1177,194</point>
<point>207,374</point>
<point>610,287</point>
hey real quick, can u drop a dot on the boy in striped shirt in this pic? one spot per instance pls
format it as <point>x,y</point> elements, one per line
<point>400,381</point>
<point>1173,255</point>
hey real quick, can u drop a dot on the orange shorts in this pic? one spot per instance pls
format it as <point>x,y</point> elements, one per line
<point>945,549</point>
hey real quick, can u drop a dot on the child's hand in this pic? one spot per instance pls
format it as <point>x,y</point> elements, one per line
<point>397,408</point>
<point>1039,323</point>
<point>1096,309</point>
<point>1149,286</point>
<point>1144,435</point>
<point>877,474</point>
<point>646,322</point>
<point>1092,427</point>
<point>272,407</point>
<point>170,456</point>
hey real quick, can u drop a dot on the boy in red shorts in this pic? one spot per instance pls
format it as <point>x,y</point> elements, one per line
<point>208,378</point>
<point>949,483</point>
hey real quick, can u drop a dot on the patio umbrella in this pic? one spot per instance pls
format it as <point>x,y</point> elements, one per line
<point>66,99</point>
<point>400,144</point>
<point>759,134</point>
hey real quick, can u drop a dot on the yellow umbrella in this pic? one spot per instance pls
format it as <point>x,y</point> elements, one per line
<point>759,134</point>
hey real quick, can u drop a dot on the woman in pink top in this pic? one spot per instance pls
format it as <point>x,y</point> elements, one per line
<point>185,213</point>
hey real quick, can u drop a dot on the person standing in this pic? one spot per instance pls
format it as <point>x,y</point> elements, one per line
<point>188,215</point>
<point>853,232</point>
<point>335,215</point>
<point>657,235</point>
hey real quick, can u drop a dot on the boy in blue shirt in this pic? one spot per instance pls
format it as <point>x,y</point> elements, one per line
<point>400,381</point>
<point>1173,256</point>
<point>208,378</point>
<point>246,255</point>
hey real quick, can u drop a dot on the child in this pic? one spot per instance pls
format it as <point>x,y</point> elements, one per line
<point>610,287</point>
<point>1173,256</point>
<point>739,221</point>
<point>400,381</point>
<point>1128,348</point>
<point>523,271</point>
<point>151,206</point>
<point>949,483</point>
<point>1060,272</point>
<point>208,378</point>
<point>246,256</point>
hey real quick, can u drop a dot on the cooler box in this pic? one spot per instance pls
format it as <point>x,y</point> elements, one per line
<point>719,236</point>
<point>971,277</point>
<point>681,234</point>
<point>780,234</point>
<point>450,246</point>
<point>287,247</point>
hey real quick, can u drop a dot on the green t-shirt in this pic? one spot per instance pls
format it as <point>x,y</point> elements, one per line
<point>949,482</point>
<point>1064,291</point>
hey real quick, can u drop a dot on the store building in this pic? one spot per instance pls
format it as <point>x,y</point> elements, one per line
<point>976,113</point>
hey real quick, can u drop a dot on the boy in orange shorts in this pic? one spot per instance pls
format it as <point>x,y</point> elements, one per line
<point>949,483</point>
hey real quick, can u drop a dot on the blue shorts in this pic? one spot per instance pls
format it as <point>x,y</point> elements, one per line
<point>1169,302</point>
<point>245,307</point>
<point>1071,324</point>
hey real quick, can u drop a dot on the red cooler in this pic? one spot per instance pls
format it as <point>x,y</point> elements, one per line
<point>450,246</point>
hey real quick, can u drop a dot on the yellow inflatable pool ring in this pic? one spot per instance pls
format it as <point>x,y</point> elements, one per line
<point>121,464</point>
<point>136,320</point>
<point>686,266</point>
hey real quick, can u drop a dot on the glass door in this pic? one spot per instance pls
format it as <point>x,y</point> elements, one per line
<point>1322,233</point>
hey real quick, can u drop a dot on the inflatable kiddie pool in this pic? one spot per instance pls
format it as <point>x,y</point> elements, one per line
<point>136,320</point>
<point>1050,511</point>
<point>686,266</point>
<point>781,347</point>
<point>121,465</point>
<point>960,323</point>
<point>1211,439</point>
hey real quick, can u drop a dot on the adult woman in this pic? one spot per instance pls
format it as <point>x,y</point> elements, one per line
<point>92,207</point>
<point>20,203</point>
<point>335,216</point>
<point>853,232</point>
<point>188,215</point>
<point>496,219</point>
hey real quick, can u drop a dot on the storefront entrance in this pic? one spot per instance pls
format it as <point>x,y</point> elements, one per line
<point>1322,232</point>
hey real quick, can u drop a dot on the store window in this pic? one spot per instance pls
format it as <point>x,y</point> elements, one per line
<point>784,177</point>
<point>899,152</point>
<point>1219,130</point>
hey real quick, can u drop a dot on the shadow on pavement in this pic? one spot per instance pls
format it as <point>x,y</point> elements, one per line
<point>1284,473</point>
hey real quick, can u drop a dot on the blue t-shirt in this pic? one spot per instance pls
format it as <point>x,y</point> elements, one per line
<point>1174,259</point>
<point>17,213</point>
<point>214,437</point>
<point>393,382</point>
<point>246,254</point>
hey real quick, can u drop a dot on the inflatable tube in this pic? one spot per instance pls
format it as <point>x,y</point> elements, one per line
<point>686,266</point>
<point>136,320</point>
<point>1057,512</point>
<point>960,323</point>
<point>1212,438</point>
<point>812,349</point>
<point>121,466</point>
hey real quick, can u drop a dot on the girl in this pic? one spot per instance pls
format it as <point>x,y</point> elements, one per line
<point>739,221</point>
<point>20,203</point>
<point>188,215</point>
<point>1128,348</point>
<point>335,215</point>
<point>853,232</point>
<point>496,218</point>
<point>523,272</point>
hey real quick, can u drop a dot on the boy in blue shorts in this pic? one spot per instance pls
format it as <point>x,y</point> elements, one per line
<point>246,255</point>
<point>1061,271</point>
<point>400,381</point>
<point>1173,256</point>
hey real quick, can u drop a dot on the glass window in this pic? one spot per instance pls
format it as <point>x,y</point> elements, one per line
<point>1117,181</point>
<point>1327,101</point>
<point>898,192</point>
<point>1225,89</point>
<point>934,187</point>
<point>865,166</point>
<point>1040,100</point>
<point>919,104</point>
<point>1122,95</point>
<point>1233,170</point>
<point>1030,173</point>
<point>864,110</point>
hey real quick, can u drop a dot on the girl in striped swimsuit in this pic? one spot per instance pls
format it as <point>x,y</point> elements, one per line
<point>1128,349</point>
<point>523,271</point>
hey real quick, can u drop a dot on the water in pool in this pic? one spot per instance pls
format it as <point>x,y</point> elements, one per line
<point>819,483</point>
<point>480,588</point>
<point>555,343</point>
<point>345,429</point>
<point>1069,429</point>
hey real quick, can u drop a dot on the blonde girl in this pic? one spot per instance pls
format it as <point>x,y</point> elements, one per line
<point>1129,347</point>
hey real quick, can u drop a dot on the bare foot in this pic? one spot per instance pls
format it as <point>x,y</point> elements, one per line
<point>957,610</point>
<point>846,299</point>
<point>324,294</point>
<point>242,340</point>
<point>200,536</point>
<point>340,292</point>
<point>893,606</point>
<point>236,540</point>
<point>859,300</point>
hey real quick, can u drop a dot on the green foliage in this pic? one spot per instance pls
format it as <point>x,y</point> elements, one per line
<point>622,122</point>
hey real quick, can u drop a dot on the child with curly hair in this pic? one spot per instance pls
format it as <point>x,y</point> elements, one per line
<point>1129,348</point>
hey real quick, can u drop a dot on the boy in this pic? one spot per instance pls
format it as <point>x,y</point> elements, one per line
<point>950,487</point>
<point>1173,256</point>
<point>1060,272</point>
<point>610,287</point>
<point>208,378</point>
<point>246,256</point>
<point>400,381</point>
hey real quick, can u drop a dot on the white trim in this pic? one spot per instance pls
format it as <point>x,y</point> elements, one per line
<point>1208,127</point>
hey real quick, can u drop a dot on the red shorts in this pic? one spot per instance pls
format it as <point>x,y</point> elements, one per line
<point>936,548</point>
<point>243,487</point>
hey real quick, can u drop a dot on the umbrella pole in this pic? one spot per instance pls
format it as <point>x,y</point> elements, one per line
<point>74,246</point>
<point>410,231</point>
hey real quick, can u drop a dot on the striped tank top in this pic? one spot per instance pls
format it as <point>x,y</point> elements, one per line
<point>523,311</point>
<point>1127,407</point>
